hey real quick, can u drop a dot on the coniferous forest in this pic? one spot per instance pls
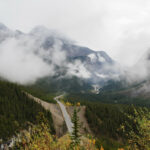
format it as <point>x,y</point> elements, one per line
<point>17,110</point>
<point>116,124</point>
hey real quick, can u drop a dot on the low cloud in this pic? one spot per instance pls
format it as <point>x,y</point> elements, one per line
<point>24,60</point>
<point>78,69</point>
<point>140,71</point>
<point>18,63</point>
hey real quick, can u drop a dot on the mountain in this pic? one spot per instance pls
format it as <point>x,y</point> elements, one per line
<point>64,60</point>
<point>93,63</point>
<point>49,64</point>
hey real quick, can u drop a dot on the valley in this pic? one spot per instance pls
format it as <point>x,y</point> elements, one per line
<point>109,124</point>
<point>62,114</point>
<point>57,115</point>
<point>58,95</point>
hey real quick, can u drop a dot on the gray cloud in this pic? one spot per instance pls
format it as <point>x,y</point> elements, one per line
<point>18,62</point>
<point>24,59</point>
<point>140,71</point>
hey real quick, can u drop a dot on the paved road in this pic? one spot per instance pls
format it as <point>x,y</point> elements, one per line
<point>65,114</point>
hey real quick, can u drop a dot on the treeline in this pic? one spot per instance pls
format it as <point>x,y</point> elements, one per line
<point>110,98</point>
<point>40,92</point>
<point>59,85</point>
<point>17,110</point>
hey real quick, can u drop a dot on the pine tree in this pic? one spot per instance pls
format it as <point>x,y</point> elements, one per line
<point>75,135</point>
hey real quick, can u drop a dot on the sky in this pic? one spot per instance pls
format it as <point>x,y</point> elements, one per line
<point>119,27</point>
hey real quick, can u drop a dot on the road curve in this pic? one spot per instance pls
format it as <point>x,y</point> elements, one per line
<point>65,114</point>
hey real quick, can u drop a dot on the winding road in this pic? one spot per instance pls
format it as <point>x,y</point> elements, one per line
<point>47,106</point>
<point>65,114</point>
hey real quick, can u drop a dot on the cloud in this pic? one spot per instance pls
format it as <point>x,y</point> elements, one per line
<point>18,63</point>
<point>78,69</point>
<point>24,58</point>
<point>140,71</point>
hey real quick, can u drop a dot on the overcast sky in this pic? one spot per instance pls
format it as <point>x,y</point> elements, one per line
<point>119,27</point>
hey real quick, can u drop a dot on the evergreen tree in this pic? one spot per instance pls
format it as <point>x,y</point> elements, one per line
<point>139,136</point>
<point>75,135</point>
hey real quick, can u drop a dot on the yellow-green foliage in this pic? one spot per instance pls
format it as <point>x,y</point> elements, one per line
<point>68,104</point>
<point>139,136</point>
<point>39,138</point>
<point>140,139</point>
<point>78,104</point>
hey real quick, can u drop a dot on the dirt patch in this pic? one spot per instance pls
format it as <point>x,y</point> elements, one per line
<point>82,119</point>
<point>59,122</point>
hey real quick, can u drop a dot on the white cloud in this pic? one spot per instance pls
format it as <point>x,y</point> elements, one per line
<point>100,58</point>
<point>24,60</point>
<point>78,69</point>
<point>18,62</point>
<point>102,75</point>
<point>140,71</point>
<point>92,57</point>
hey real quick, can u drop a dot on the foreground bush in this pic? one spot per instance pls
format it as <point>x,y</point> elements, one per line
<point>39,138</point>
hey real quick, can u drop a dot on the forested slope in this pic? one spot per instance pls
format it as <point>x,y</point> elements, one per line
<point>16,110</point>
<point>115,125</point>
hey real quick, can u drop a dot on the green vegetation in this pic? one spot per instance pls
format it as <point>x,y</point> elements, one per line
<point>60,85</point>
<point>139,135</point>
<point>116,97</point>
<point>40,138</point>
<point>115,125</point>
<point>113,85</point>
<point>75,136</point>
<point>16,110</point>
<point>40,93</point>
<point>114,121</point>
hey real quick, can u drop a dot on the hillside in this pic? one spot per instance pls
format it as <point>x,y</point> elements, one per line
<point>58,119</point>
<point>107,125</point>
<point>17,110</point>
<point>41,138</point>
<point>114,125</point>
